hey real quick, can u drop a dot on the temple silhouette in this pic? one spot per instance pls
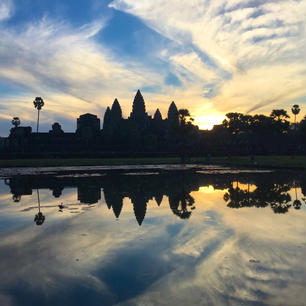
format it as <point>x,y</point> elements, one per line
<point>139,133</point>
<point>143,135</point>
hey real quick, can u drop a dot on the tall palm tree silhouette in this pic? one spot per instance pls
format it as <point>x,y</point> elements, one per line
<point>38,103</point>
<point>295,111</point>
<point>15,121</point>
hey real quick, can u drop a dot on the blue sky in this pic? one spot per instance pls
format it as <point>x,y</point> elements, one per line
<point>211,57</point>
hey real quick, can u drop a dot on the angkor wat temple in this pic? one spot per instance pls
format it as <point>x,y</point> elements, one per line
<point>138,134</point>
<point>143,135</point>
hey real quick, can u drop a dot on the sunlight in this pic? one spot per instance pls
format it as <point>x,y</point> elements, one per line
<point>250,187</point>
<point>210,189</point>
<point>207,122</point>
<point>207,189</point>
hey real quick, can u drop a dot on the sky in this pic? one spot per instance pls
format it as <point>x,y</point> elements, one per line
<point>212,57</point>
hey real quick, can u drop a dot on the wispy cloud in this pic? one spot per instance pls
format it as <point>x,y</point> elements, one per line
<point>66,66</point>
<point>261,45</point>
<point>6,9</point>
<point>218,56</point>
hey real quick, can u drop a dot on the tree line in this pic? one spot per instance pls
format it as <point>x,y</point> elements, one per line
<point>258,134</point>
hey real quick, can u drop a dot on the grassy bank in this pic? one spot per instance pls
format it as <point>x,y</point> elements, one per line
<point>298,162</point>
<point>46,162</point>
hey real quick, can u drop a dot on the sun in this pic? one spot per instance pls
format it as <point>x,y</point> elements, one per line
<point>207,122</point>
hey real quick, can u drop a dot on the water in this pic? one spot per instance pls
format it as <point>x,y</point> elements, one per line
<point>157,235</point>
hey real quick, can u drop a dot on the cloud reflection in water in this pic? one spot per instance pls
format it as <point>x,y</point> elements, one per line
<point>219,256</point>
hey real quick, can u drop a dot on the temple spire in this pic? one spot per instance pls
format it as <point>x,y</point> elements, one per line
<point>173,115</point>
<point>107,119</point>
<point>140,207</point>
<point>139,108</point>
<point>116,113</point>
<point>157,115</point>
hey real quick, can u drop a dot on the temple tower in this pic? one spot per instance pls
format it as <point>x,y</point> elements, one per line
<point>139,109</point>
<point>107,119</point>
<point>157,115</point>
<point>116,112</point>
<point>88,125</point>
<point>173,115</point>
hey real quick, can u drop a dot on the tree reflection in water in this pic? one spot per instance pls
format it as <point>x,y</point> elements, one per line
<point>39,217</point>
<point>181,204</point>
<point>259,190</point>
<point>265,194</point>
<point>296,203</point>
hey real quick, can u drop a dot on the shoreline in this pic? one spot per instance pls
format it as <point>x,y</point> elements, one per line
<point>280,162</point>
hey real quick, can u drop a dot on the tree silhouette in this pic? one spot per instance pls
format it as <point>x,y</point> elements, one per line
<point>279,114</point>
<point>16,122</point>
<point>233,123</point>
<point>237,198</point>
<point>184,129</point>
<point>295,110</point>
<point>280,124</point>
<point>184,114</point>
<point>38,103</point>
<point>302,130</point>
<point>181,204</point>
<point>266,193</point>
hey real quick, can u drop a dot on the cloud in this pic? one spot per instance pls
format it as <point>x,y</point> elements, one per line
<point>241,41</point>
<point>218,56</point>
<point>50,55</point>
<point>196,68</point>
<point>167,261</point>
<point>67,67</point>
<point>6,9</point>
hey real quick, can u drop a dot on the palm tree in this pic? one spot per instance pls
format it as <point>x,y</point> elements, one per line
<point>38,103</point>
<point>295,111</point>
<point>16,121</point>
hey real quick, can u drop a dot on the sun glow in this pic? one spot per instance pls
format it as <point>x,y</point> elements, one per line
<point>207,122</point>
<point>207,189</point>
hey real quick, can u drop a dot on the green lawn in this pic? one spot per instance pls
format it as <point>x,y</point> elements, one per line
<point>261,161</point>
<point>48,162</point>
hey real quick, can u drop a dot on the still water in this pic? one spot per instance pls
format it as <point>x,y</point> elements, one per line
<point>152,236</point>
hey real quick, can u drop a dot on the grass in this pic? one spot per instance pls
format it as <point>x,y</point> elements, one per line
<point>297,162</point>
<point>48,162</point>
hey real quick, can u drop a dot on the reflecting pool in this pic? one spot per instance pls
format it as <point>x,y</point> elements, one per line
<point>152,236</point>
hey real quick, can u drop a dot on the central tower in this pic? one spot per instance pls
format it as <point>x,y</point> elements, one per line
<point>139,109</point>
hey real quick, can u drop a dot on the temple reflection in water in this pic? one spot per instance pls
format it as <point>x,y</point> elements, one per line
<point>250,190</point>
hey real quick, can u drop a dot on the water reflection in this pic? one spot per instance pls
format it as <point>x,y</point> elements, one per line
<point>39,217</point>
<point>192,248</point>
<point>247,190</point>
<point>265,194</point>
